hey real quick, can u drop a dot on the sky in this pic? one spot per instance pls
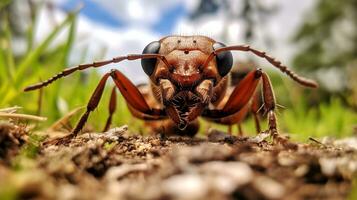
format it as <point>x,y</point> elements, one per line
<point>126,27</point>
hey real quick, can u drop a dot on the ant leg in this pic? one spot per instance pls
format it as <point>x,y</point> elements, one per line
<point>269,107</point>
<point>229,129</point>
<point>255,109</point>
<point>135,100</point>
<point>130,93</point>
<point>92,104</point>
<point>237,104</point>
<point>235,118</point>
<point>240,130</point>
<point>112,108</point>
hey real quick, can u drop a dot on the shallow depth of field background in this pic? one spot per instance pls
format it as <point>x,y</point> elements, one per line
<point>316,38</point>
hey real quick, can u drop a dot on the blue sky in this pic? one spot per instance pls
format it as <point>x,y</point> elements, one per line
<point>97,13</point>
<point>94,12</point>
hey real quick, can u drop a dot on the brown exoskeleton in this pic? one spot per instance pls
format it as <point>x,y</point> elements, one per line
<point>188,78</point>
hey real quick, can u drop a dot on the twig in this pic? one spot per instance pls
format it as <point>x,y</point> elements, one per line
<point>10,109</point>
<point>64,121</point>
<point>22,116</point>
<point>318,142</point>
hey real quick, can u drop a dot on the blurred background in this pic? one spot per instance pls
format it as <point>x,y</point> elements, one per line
<point>316,38</point>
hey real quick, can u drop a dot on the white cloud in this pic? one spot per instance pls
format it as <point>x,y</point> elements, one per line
<point>280,27</point>
<point>118,42</point>
<point>95,37</point>
<point>209,26</point>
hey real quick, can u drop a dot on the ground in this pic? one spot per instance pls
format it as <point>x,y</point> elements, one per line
<point>121,165</point>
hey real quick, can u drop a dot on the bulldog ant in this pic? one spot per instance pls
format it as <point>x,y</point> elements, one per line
<point>188,78</point>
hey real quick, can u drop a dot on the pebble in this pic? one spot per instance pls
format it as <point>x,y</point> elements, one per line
<point>185,186</point>
<point>268,187</point>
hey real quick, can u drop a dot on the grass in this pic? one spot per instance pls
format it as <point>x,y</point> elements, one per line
<point>42,61</point>
<point>327,119</point>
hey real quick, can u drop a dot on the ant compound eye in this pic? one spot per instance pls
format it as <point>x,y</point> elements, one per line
<point>224,59</point>
<point>148,64</point>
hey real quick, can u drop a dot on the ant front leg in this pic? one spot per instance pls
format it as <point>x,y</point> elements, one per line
<point>92,104</point>
<point>237,105</point>
<point>130,93</point>
<point>112,108</point>
<point>252,108</point>
<point>269,108</point>
<point>256,103</point>
<point>135,100</point>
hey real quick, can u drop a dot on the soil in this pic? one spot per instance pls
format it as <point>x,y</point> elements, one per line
<point>121,165</point>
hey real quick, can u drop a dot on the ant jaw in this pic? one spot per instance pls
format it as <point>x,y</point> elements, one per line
<point>182,125</point>
<point>184,107</point>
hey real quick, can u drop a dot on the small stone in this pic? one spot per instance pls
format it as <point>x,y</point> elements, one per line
<point>260,137</point>
<point>218,136</point>
<point>186,186</point>
<point>285,159</point>
<point>268,187</point>
<point>301,170</point>
<point>227,176</point>
<point>116,173</point>
<point>328,166</point>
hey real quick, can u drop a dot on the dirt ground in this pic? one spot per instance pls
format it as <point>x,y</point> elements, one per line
<point>121,165</point>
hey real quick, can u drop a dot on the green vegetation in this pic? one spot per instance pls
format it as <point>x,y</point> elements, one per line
<point>328,40</point>
<point>41,62</point>
<point>327,119</point>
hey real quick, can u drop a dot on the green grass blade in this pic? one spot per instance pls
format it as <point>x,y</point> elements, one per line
<point>4,3</point>
<point>69,43</point>
<point>9,56</point>
<point>3,71</point>
<point>30,30</point>
<point>30,59</point>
